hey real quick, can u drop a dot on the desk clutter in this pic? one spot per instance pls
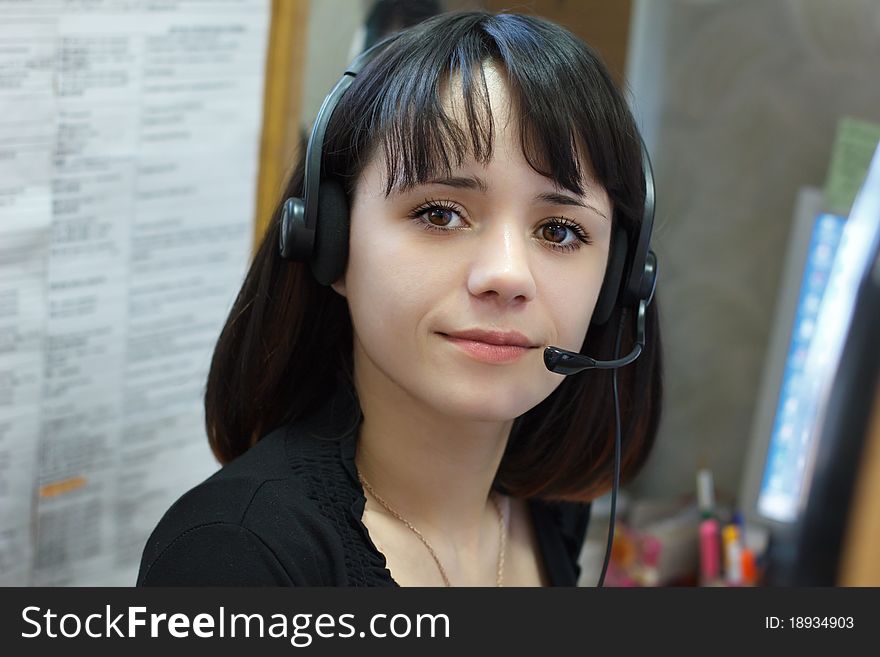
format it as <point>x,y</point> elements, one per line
<point>686,542</point>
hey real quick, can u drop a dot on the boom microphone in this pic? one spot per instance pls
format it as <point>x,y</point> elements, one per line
<point>565,362</point>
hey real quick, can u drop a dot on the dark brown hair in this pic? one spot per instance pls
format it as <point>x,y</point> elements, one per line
<point>270,365</point>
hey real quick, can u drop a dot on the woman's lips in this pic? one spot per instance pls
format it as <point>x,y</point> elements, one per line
<point>488,353</point>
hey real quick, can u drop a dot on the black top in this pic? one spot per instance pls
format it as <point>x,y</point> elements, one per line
<point>288,513</point>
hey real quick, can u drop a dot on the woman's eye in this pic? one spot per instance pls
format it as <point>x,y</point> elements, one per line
<point>441,217</point>
<point>564,235</point>
<point>438,216</point>
<point>558,233</point>
<point>554,232</point>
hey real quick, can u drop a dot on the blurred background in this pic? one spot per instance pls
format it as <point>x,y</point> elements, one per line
<point>144,145</point>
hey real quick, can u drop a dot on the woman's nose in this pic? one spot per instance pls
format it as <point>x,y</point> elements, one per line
<point>500,265</point>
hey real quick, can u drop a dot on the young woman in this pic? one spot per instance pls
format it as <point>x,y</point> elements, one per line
<point>399,426</point>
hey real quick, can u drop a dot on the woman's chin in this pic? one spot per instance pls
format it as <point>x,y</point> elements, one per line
<point>486,404</point>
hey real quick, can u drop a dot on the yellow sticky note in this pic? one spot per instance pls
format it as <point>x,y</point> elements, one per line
<point>854,144</point>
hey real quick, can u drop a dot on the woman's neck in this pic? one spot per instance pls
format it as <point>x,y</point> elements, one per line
<point>434,470</point>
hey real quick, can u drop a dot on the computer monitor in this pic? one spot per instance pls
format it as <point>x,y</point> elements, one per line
<point>818,392</point>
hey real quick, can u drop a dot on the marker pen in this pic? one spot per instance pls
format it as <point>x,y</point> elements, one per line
<point>749,568</point>
<point>650,557</point>
<point>740,522</point>
<point>709,553</point>
<point>732,555</point>
<point>705,493</point>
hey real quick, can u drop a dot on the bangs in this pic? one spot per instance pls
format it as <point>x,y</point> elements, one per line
<point>424,136</point>
<point>570,115</point>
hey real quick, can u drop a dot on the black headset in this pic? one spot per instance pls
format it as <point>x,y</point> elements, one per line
<point>315,228</point>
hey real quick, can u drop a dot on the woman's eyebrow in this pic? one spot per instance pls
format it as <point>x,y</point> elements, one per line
<point>475,182</point>
<point>564,199</point>
<point>461,182</point>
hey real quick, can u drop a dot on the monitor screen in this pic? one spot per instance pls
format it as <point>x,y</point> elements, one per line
<point>785,465</point>
<point>802,468</point>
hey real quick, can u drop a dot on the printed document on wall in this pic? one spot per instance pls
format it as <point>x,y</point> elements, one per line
<point>27,133</point>
<point>138,235</point>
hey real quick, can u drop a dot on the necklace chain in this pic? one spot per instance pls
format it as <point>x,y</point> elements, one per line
<point>501,531</point>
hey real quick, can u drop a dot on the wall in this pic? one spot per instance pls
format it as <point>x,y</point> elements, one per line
<point>739,102</point>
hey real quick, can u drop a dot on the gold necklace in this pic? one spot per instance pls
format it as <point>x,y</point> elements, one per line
<point>501,531</point>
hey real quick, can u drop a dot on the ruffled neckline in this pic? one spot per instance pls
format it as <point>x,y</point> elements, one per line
<point>334,429</point>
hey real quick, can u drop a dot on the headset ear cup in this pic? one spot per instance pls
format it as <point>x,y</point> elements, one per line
<point>613,276</point>
<point>331,233</point>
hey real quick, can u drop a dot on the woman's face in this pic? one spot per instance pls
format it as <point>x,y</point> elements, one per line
<point>493,248</point>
